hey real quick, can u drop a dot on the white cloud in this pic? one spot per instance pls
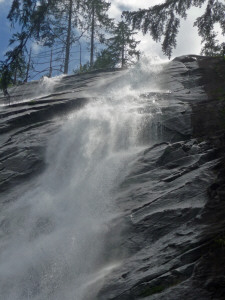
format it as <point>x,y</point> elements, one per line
<point>188,41</point>
<point>36,48</point>
<point>5,2</point>
<point>117,6</point>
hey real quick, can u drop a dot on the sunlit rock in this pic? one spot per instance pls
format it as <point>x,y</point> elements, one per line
<point>112,185</point>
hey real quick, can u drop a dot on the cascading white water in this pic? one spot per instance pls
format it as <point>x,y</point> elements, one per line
<point>24,93</point>
<point>53,240</point>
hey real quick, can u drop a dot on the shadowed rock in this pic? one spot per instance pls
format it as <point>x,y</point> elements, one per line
<point>169,238</point>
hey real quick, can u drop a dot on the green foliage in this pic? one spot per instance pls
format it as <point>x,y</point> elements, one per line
<point>96,18</point>
<point>212,46</point>
<point>148,291</point>
<point>220,242</point>
<point>66,19</point>
<point>5,77</point>
<point>163,21</point>
<point>96,14</point>
<point>83,69</point>
<point>31,16</point>
<point>121,48</point>
<point>54,22</point>
<point>105,60</point>
<point>19,69</point>
<point>122,44</point>
<point>13,73</point>
<point>64,22</point>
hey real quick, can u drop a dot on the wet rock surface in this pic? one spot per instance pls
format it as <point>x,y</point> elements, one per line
<point>29,121</point>
<point>174,199</point>
<point>170,234</point>
<point>167,235</point>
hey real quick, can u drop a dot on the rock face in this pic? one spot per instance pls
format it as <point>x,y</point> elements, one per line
<point>28,122</point>
<point>174,198</point>
<point>170,233</point>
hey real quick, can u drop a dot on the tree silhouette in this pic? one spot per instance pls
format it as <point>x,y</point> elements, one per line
<point>31,17</point>
<point>96,18</point>
<point>120,50</point>
<point>163,21</point>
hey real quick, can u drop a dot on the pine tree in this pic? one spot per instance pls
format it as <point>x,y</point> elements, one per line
<point>212,47</point>
<point>54,22</point>
<point>163,21</point>
<point>121,49</point>
<point>31,17</point>
<point>105,60</point>
<point>66,22</point>
<point>97,19</point>
<point>123,45</point>
<point>68,37</point>
<point>5,78</point>
<point>48,22</point>
<point>19,69</point>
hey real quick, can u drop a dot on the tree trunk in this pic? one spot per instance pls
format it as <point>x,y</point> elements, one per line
<point>15,77</point>
<point>123,49</point>
<point>123,57</point>
<point>50,66</point>
<point>68,39</point>
<point>92,36</point>
<point>28,66</point>
<point>80,55</point>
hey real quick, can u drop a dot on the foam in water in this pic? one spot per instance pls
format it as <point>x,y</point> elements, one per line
<point>30,92</point>
<point>53,239</point>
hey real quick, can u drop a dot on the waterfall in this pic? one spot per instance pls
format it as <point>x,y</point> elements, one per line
<point>53,238</point>
<point>24,93</point>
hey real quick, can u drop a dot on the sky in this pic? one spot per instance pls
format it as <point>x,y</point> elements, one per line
<point>188,41</point>
<point>4,26</point>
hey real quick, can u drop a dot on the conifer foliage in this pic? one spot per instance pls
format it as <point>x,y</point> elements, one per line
<point>55,23</point>
<point>163,21</point>
<point>123,45</point>
<point>31,16</point>
<point>65,21</point>
<point>121,48</point>
<point>96,18</point>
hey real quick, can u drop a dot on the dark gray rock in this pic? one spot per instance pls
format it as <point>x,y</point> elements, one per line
<point>169,238</point>
<point>175,232</point>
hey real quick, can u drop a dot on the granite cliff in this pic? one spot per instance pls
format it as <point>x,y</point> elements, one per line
<point>167,239</point>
